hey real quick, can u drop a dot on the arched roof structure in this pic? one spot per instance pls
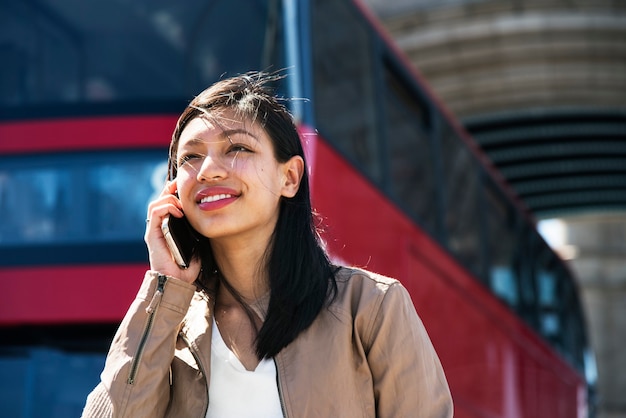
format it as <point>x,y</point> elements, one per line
<point>541,86</point>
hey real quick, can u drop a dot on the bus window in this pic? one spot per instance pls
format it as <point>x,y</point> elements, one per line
<point>527,286</point>
<point>46,382</point>
<point>41,56</point>
<point>550,321</point>
<point>461,191</point>
<point>572,340</point>
<point>68,52</point>
<point>411,160</point>
<point>548,296</point>
<point>559,316</point>
<point>219,46</point>
<point>77,198</point>
<point>344,99</point>
<point>35,203</point>
<point>104,183</point>
<point>574,343</point>
<point>503,247</point>
<point>52,368</point>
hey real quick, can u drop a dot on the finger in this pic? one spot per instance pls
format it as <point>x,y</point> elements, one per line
<point>171,187</point>
<point>164,198</point>
<point>159,210</point>
<point>167,199</point>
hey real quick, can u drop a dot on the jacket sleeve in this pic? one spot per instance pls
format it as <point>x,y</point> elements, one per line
<point>135,379</point>
<point>408,376</point>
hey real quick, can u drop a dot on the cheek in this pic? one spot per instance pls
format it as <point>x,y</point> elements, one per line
<point>184,184</point>
<point>239,163</point>
<point>252,172</point>
<point>265,175</point>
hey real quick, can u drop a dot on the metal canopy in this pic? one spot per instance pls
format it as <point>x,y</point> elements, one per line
<point>559,160</point>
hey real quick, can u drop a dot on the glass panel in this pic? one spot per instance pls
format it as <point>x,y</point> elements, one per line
<point>548,296</point>
<point>47,382</point>
<point>411,160</point>
<point>121,205</point>
<point>74,51</point>
<point>528,298</point>
<point>573,339</point>
<point>503,247</point>
<point>78,198</point>
<point>462,197</point>
<point>51,368</point>
<point>345,100</point>
<point>561,319</point>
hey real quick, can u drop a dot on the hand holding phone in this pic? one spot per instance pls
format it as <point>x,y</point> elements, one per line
<point>181,238</point>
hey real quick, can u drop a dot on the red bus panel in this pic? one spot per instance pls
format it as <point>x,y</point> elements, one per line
<point>113,132</point>
<point>68,294</point>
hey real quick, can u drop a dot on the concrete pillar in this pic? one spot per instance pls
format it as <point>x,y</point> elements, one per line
<point>599,262</point>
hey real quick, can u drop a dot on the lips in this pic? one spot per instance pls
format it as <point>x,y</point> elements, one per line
<point>214,198</point>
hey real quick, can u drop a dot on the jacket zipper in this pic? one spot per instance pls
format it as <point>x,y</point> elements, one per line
<point>151,310</point>
<point>280,392</point>
<point>200,366</point>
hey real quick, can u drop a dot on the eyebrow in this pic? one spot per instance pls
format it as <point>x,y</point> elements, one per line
<point>227,133</point>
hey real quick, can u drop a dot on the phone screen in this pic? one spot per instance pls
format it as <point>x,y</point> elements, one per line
<point>181,239</point>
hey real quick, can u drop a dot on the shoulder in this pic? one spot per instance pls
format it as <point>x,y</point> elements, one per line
<point>368,300</point>
<point>352,279</point>
<point>361,290</point>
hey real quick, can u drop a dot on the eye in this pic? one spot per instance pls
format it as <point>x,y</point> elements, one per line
<point>239,148</point>
<point>185,158</point>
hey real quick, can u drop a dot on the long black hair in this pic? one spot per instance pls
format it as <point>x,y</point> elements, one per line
<point>301,277</point>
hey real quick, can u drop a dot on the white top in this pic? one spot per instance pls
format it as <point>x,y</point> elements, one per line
<point>235,392</point>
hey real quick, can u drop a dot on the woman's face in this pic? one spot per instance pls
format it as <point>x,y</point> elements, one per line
<point>229,182</point>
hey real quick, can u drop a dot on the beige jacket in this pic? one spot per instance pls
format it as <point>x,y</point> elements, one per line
<point>367,355</point>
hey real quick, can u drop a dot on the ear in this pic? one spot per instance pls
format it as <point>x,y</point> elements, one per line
<point>292,176</point>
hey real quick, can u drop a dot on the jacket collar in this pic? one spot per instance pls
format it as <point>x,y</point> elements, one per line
<point>197,326</point>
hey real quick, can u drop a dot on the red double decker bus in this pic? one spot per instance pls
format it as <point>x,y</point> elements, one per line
<point>89,96</point>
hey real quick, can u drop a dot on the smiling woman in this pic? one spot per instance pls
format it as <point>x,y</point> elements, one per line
<point>260,315</point>
<point>223,163</point>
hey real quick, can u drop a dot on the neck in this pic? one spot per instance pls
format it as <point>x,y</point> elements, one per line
<point>242,264</point>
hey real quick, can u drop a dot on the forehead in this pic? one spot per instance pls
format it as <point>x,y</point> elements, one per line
<point>209,129</point>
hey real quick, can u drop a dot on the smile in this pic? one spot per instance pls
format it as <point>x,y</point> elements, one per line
<point>215,198</point>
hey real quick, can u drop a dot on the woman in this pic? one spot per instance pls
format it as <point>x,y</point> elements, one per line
<point>260,324</point>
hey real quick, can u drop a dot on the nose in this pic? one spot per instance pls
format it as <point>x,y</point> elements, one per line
<point>212,168</point>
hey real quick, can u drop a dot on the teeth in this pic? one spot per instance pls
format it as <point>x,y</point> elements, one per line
<point>215,198</point>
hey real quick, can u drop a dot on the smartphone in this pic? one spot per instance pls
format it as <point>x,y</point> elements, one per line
<point>182,240</point>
